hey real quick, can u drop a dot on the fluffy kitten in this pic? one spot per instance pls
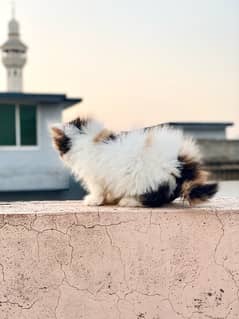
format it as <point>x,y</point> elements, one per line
<point>146,167</point>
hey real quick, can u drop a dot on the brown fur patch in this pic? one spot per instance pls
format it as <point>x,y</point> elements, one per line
<point>56,132</point>
<point>148,140</point>
<point>193,174</point>
<point>102,136</point>
<point>201,178</point>
<point>80,123</point>
<point>60,141</point>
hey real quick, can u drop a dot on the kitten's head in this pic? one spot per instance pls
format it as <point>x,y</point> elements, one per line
<point>67,135</point>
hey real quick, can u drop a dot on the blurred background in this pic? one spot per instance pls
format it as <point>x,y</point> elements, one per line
<point>128,63</point>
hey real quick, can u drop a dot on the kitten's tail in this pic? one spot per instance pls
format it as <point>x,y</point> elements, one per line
<point>193,182</point>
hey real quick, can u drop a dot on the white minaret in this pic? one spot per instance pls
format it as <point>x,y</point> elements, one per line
<point>14,56</point>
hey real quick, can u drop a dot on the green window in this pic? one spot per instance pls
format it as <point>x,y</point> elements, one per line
<point>28,129</point>
<point>7,125</point>
<point>18,125</point>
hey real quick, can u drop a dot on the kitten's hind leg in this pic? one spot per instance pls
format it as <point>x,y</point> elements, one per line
<point>129,202</point>
<point>110,199</point>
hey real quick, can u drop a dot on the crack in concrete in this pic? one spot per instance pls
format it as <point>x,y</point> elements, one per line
<point>120,255</point>
<point>33,221</point>
<point>105,225</point>
<point>72,249</point>
<point>72,286</point>
<point>220,238</point>
<point>19,305</point>
<point>3,273</point>
<point>230,306</point>
<point>38,233</point>
<point>216,249</point>
<point>148,226</point>
<point>38,246</point>
<point>154,295</point>
<point>31,228</point>
<point>222,265</point>
<point>118,308</point>
<point>160,228</point>
<point>174,310</point>
<point>57,303</point>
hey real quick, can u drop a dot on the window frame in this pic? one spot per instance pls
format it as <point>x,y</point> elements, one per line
<point>18,146</point>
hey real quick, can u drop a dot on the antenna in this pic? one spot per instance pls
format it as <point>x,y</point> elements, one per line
<point>13,5</point>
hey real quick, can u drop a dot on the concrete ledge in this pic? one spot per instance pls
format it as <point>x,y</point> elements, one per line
<point>60,260</point>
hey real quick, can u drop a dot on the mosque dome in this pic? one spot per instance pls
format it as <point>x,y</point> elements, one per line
<point>14,43</point>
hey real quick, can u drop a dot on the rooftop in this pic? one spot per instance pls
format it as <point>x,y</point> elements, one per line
<point>52,99</point>
<point>204,124</point>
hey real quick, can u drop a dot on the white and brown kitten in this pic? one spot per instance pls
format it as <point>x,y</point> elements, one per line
<point>146,167</point>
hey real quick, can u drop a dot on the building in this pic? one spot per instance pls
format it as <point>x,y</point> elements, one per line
<point>14,57</point>
<point>29,166</point>
<point>203,130</point>
<point>221,158</point>
<point>221,155</point>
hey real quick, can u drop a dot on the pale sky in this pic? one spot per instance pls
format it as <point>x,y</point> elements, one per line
<point>134,62</point>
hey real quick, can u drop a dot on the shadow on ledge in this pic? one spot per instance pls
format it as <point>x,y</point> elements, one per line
<point>75,192</point>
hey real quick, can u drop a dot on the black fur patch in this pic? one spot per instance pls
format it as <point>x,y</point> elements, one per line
<point>203,192</point>
<point>79,123</point>
<point>156,198</point>
<point>188,169</point>
<point>177,192</point>
<point>63,144</point>
<point>111,137</point>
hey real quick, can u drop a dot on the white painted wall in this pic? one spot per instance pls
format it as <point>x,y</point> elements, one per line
<point>14,80</point>
<point>228,189</point>
<point>35,168</point>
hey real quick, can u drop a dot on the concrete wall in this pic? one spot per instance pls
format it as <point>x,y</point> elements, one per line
<point>66,261</point>
<point>35,168</point>
<point>221,158</point>
<point>205,133</point>
<point>220,151</point>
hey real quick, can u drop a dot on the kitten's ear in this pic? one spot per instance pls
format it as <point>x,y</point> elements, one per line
<point>60,140</point>
<point>57,130</point>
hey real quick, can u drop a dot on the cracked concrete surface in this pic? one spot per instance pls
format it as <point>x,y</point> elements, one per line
<point>61,260</point>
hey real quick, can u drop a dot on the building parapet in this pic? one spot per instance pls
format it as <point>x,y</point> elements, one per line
<point>221,158</point>
<point>63,260</point>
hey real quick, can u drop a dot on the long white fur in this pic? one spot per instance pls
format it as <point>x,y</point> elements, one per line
<point>128,166</point>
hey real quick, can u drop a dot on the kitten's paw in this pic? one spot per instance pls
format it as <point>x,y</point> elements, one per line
<point>92,200</point>
<point>129,202</point>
